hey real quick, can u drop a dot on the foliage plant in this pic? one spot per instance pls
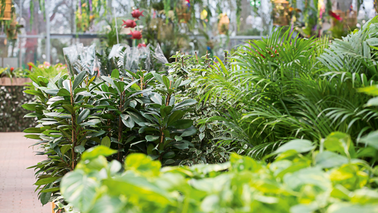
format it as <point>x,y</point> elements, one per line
<point>300,179</point>
<point>285,87</point>
<point>133,112</point>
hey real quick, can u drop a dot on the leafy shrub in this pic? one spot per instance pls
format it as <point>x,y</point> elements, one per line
<point>131,112</point>
<point>330,180</point>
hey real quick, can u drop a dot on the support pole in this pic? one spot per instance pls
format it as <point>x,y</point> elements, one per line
<point>116,25</point>
<point>48,42</point>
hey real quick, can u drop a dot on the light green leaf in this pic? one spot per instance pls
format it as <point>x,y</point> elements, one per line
<point>97,151</point>
<point>299,145</point>
<point>106,141</point>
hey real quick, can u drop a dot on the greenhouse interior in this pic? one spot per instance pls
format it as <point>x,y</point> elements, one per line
<point>189,106</point>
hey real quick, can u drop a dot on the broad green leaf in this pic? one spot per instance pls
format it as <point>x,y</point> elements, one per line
<point>78,80</point>
<point>340,142</point>
<point>308,176</point>
<point>45,196</point>
<point>79,189</point>
<point>176,115</point>
<point>106,141</point>
<point>343,207</point>
<point>299,145</point>
<point>63,92</point>
<point>186,103</point>
<point>182,124</point>
<point>65,148</point>
<point>44,181</point>
<point>128,121</point>
<point>107,204</point>
<point>33,130</point>
<point>156,98</point>
<point>365,196</point>
<point>189,132</point>
<point>83,115</point>
<point>30,106</point>
<point>372,102</point>
<point>97,151</point>
<point>137,187</point>
<point>32,137</point>
<point>329,159</point>
<point>79,149</point>
<point>152,137</point>
<point>115,74</point>
<point>371,139</point>
<point>142,164</point>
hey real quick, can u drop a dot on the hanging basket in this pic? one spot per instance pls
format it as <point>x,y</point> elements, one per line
<point>7,15</point>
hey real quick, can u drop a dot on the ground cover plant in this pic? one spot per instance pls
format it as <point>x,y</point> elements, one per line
<point>330,180</point>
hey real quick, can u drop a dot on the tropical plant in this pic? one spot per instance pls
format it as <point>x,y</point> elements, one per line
<point>329,180</point>
<point>131,112</point>
<point>286,87</point>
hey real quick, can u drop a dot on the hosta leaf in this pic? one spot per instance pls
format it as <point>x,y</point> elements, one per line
<point>371,139</point>
<point>79,189</point>
<point>97,151</point>
<point>329,159</point>
<point>298,145</point>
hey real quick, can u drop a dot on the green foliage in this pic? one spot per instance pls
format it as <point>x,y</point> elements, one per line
<point>285,87</point>
<point>328,180</point>
<point>131,112</point>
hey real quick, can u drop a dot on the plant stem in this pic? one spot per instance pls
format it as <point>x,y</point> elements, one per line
<point>120,127</point>
<point>73,119</point>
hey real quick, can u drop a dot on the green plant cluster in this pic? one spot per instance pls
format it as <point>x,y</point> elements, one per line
<point>329,180</point>
<point>133,113</point>
<point>269,97</point>
<point>285,87</point>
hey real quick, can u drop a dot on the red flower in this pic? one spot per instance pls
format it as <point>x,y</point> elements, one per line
<point>334,15</point>
<point>141,45</point>
<point>11,69</point>
<point>136,13</point>
<point>136,34</point>
<point>129,23</point>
